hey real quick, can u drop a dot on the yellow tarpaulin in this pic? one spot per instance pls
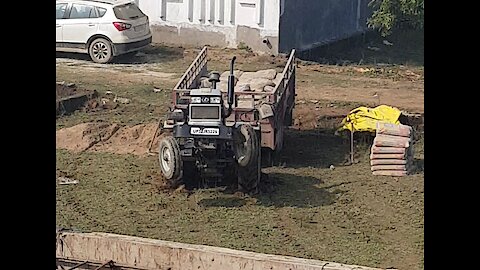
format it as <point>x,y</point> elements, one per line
<point>365,119</point>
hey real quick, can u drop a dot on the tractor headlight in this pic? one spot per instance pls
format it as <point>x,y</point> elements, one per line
<point>215,100</point>
<point>196,100</point>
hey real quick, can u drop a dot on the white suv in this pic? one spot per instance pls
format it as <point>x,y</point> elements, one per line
<point>103,29</point>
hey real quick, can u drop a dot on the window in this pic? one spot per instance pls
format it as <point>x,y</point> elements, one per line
<point>60,10</point>
<point>82,12</point>
<point>101,11</point>
<point>128,11</point>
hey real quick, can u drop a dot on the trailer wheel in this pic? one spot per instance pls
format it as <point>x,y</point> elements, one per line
<point>245,144</point>
<point>170,160</point>
<point>248,166</point>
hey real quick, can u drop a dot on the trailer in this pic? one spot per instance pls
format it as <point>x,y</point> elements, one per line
<point>223,130</point>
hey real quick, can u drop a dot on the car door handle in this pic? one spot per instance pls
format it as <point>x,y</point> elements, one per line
<point>91,24</point>
<point>58,25</point>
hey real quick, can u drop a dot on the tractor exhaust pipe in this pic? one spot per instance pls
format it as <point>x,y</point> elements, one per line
<point>231,86</point>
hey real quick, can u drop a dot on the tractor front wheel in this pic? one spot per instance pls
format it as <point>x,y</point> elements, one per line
<point>170,160</point>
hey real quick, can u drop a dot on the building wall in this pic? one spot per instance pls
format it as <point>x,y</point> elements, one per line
<point>305,24</point>
<point>215,22</point>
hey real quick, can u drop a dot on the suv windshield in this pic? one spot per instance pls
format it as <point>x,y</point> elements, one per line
<point>128,11</point>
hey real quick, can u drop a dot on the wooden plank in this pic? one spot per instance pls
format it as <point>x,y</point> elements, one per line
<point>146,253</point>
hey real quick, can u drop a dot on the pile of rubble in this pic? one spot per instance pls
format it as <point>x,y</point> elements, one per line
<point>262,81</point>
<point>259,81</point>
<point>392,150</point>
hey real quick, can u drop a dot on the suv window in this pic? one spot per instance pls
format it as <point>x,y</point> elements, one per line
<point>128,11</point>
<point>82,11</point>
<point>60,10</point>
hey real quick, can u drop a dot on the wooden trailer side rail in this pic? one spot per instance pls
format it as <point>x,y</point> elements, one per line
<point>196,69</point>
<point>288,76</point>
<point>283,101</point>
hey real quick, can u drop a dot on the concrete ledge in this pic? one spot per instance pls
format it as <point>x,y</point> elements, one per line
<point>143,253</point>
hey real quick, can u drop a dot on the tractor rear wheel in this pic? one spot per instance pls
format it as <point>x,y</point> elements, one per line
<point>170,160</point>
<point>245,140</point>
<point>247,151</point>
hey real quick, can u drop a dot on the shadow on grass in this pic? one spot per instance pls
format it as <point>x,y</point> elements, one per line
<point>280,190</point>
<point>318,148</point>
<point>290,190</point>
<point>151,54</point>
<point>230,202</point>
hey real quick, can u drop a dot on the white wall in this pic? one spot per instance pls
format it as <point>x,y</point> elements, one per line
<point>215,15</point>
<point>260,14</point>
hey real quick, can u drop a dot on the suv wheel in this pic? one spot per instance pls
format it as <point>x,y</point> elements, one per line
<point>100,51</point>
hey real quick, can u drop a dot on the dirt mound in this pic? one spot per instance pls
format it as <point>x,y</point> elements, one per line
<point>130,140</point>
<point>104,137</point>
<point>81,137</point>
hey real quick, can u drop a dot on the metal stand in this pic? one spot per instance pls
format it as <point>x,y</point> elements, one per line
<point>351,145</point>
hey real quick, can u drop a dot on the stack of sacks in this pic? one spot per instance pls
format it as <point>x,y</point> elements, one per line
<point>223,84</point>
<point>259,81</point>
<point>392,150</point>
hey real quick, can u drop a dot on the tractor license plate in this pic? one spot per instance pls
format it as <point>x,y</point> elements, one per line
<point>204,131</point>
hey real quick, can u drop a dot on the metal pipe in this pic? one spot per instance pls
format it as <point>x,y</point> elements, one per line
<point>231,87</point>
<point>351,145</point>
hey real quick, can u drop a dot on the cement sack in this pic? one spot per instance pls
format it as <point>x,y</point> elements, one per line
<point>223,84</point>
<point>391,141</point>
<point>268,88</point>
<point>204,83</point>
<point>390,173</point>
<point>374,162</point>
<point>278,79</point>
<point>268,74</point>
<point>387,156</point>
<point>394,129</point>
<point>237,73</point>
<point>256,84</point>
<point>389,167</point>
<point>247,76</point>
<point>388,150</point>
